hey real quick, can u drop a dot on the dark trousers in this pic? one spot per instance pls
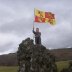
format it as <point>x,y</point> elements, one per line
<point>37,40</point>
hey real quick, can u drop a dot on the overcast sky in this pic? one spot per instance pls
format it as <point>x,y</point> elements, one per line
<point>16,20</point>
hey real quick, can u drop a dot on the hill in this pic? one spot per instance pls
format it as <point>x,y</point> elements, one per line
<point>60,54</point>
<point>8,59</point>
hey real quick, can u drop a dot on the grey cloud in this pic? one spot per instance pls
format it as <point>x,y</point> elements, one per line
<point>20,18</point>
<point>19,27</point>
<point>6,47</point>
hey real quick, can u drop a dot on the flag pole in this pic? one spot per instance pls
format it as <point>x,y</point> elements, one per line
<point>33,24</point>
<point>33,29</point>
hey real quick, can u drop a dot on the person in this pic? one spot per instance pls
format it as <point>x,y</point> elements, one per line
<point>37,34</point>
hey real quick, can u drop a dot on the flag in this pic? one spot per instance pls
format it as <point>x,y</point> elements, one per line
<point>44,17</point>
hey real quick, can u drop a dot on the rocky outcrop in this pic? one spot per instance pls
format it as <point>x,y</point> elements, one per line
<point>35,58</point>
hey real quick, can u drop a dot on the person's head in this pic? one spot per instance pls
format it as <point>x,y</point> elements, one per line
<point>37,29</point>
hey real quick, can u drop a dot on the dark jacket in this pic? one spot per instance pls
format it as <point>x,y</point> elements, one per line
<point>37,37</point>
<point>37,34</point>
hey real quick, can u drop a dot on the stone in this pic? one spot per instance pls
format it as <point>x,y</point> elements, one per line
<point>35,58</point>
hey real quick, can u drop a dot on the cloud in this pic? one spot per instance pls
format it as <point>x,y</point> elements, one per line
<point>16,20</point>
<point>8,42</point>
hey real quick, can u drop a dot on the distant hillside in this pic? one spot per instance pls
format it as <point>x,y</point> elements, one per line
<point>60,54</point>
<point>8,59</point>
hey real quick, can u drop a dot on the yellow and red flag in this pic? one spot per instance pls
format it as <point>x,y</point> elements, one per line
<point>44,17</point>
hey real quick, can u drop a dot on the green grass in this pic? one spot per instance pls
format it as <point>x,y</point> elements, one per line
<point>8,69</point>
<point>60,66</point>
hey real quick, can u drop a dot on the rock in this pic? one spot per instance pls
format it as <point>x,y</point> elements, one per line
<point>35,58</point>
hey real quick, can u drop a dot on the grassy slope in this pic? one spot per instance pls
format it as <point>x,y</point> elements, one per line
<point>8,69</point>
<point>60,66</point>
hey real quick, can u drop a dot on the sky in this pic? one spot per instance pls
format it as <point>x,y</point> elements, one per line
<point>17,18</point>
